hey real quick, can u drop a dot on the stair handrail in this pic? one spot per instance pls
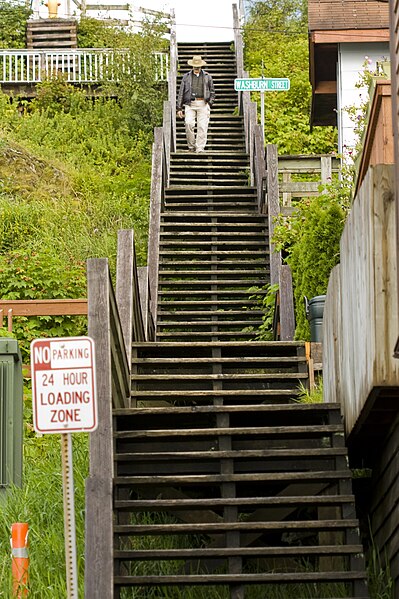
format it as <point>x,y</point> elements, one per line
<point>161,149</point>
<point>243,97</point>
<point>128,292</point>
<point>172,77</point>
<point>280,273</point>
<point>114,320</point>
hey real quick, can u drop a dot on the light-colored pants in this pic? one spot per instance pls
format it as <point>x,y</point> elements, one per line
<point>199,111</point>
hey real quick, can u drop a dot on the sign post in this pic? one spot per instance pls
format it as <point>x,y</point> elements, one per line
<point>64,401</point>
<point>262,85</point>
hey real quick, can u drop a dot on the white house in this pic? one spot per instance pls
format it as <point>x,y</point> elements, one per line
<point>343,36</point>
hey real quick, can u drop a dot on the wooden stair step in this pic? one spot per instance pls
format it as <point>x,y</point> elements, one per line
<point>205,304</point>
<point>212,527</point>
<point>185,243</point>
<point>249,360</point>
<point>216,285</point>
<point>220,272</point>
<point>309,430</point>
<point>241,579</point>
<point>241,395</point>
<point>236,455</point>
<point>162,554</point>
<point>192,503</point>
<point>248,216</point>
<point>218,377</point>
<point>175,326</point>
<point>200,314</point>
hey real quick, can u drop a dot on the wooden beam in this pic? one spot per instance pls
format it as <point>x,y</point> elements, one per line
<point>55,307</point>
<point>99,579</point>
<point>287,313</point>
<point>273,204</point>
<point>349,35</point>
<point>325,87</point>
<point>155,218</point>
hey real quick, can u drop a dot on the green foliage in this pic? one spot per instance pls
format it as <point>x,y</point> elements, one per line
<point>42,275</point>
<point>314,395</point>
<point>380,582</point>
<point>93,33</point>
<point>310,239</point>
<point>13,17</point>
<point>54,95</point>
<point>40,504</point>
<point>73,177</point>
<point>266,302</point>
<point>276,37</point>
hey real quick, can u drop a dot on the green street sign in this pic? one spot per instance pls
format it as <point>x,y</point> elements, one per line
<point>262,85</point>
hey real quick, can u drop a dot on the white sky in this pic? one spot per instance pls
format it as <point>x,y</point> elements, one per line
<point>199,21</point>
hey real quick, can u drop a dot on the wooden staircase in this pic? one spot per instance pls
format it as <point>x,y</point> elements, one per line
<point>225,485</point>
<point>51,33</point>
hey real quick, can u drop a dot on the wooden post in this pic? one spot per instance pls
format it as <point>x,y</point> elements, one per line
<point>172,77</point>
<point>167,117</point>
<point>142,273</point>
<point>259,165</point>
<point>273,209</point>
<point>99,578</point>
<point>252,114</point>
<point>155,219</point>
<point>124,287</point>
<point>128,292</point>
<point>287,313</point>
<point>326,170</point>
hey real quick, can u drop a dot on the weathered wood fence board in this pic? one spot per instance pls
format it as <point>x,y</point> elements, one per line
<point>360,316</point>
<point>99,539</point>
<point>114,323</point>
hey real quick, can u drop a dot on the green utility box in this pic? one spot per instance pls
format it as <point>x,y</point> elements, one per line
<point>11,414</point>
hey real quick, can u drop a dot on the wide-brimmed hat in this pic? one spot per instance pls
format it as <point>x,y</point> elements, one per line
<point>196,62</point>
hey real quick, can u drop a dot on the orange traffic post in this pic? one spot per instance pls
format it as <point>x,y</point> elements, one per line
<point>20,559</point>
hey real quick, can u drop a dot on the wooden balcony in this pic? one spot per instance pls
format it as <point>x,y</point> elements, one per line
<point>21,70</point>
<point>378,147</point>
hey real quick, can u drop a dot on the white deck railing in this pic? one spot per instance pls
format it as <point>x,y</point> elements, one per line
<point>77,66</point>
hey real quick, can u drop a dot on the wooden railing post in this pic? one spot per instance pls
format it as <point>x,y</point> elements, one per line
<point>99,569</point>
<point>252,122</point>
<point>128,293</point>
<point>287,313</point>
<point>326,170</point>
<point>172,78</point>
<point>259,165</point>
<point>167,135</point>
<point>273,209</point>
<point>155,219</point>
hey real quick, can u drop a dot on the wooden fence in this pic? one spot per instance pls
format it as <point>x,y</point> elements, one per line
<point>86,65</point>
<point>360,316</point>
<point>264,175</point>
<point>313,171</point>
<point>164,144</point>
<point>114,323</point>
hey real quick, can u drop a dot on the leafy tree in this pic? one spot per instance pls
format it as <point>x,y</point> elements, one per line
<point>276,37</point>
<point>13,17</point>
<point>310,240</point>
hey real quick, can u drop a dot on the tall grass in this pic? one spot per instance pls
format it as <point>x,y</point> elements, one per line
<point>40,504</point>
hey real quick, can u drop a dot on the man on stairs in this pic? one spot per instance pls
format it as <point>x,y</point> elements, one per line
<point>196,94</point>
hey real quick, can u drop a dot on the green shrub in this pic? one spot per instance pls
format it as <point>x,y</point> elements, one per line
<point>42,275</point>
<point>310,239</point>
<point>276,45</point>
<point>13,17</point>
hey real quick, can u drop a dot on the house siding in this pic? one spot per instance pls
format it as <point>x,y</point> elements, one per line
<point>351,58</point>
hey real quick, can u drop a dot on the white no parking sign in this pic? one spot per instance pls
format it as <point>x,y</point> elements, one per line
<point>64,401</point>
<point>63,385</point>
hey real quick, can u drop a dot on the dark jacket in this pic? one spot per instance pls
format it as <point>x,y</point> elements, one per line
<point>184,96</point>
